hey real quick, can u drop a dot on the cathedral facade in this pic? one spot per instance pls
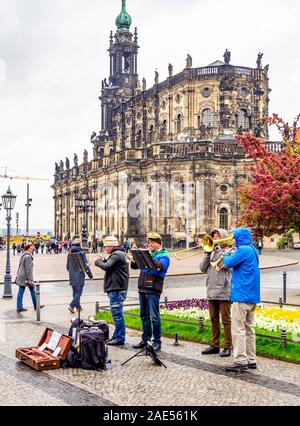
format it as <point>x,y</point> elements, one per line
<point>166,157</point>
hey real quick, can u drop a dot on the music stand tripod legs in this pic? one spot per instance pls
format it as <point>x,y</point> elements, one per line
<point>148,351</point>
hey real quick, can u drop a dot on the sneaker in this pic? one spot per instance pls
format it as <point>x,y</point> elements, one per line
<point>71,310</point>
<point>140,345</point>
<point>21,310</point>
<point>211,350</point>
<point>115,342</point>
<point>225,352</point>
<point>252,365</point>
<point>236,368</point>
<point>156,347</point>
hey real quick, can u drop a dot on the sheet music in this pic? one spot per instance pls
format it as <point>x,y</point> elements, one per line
<point>53,342</point>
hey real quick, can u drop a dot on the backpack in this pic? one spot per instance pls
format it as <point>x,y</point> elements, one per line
<point>93,352</point>
<point>79,324</point>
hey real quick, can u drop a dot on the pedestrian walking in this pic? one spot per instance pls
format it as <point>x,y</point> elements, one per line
<point>14,248</point>
<point>101,245</point>
<point>115,285</point>
<point>150,287</point>
<point>77,275</point>
<point>218,297</point>
<point>244,295</point>
<point>42,247</point>
<point>25,278</point>
<point>260,247</point>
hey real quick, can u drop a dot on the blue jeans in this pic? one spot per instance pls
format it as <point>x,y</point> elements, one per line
<point>21,294</point>
<point>149,313</point>
<point>77,292</point>
<point>116,299</point>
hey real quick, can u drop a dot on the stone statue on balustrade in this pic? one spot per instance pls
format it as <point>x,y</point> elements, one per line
<point>189,61</point>
<point>170,69</point>
<point>67,164</point>
<point>258,62</point>
<point>227,57</point>
<point>85,156</point>
<point>75,160</point>
<point>156,77</point>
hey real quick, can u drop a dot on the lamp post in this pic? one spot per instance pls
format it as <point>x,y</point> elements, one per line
<point>9,201</point>
<point>17,223</point>
<point>27,205</point>
<point>83,202</point>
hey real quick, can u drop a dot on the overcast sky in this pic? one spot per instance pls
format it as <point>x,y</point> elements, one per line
<point>53,56</point>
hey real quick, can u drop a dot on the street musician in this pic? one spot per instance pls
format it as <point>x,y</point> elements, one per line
<point>218,295</point>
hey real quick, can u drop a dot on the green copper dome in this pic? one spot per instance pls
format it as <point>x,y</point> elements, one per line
<point>124,20</point>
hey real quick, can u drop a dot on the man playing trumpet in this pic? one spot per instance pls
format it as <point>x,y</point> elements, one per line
<point>218,284</point>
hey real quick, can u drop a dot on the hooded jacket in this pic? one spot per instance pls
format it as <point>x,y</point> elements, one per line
<point>151,281</point>
<point>245,283</point>
<point>116,270</point>
<point>217,282</point>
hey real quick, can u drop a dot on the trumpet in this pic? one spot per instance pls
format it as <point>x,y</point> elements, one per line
<point>207,244</point>
<point>219,263</point>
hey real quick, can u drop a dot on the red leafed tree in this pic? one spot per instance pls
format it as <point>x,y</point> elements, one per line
<point>270,201</point>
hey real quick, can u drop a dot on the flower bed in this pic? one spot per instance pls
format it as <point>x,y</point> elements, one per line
<point>268,318</point>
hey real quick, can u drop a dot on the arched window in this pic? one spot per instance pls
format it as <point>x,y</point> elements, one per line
<point>207,118</point>
<point>224,218</point>
<point>179,123</point>
<point>243,120</point>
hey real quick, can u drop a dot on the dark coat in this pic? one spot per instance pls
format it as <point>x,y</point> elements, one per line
<point>116,270</point>
<point>77,278</point>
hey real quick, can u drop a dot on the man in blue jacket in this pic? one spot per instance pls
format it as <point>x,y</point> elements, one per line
<point>244,295</point>
<point>150,286</point>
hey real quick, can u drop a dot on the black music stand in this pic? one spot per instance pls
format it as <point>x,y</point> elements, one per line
<point>147,351</point>
<point>143,259</point>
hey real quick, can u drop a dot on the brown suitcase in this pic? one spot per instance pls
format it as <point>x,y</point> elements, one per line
<point>45,360</point>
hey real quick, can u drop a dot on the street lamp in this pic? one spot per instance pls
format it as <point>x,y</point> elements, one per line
<point>27,205</point>
<point>84,202</point>
<point>8,201</point>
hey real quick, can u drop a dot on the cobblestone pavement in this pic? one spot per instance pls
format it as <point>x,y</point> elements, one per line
<point>190,378</point>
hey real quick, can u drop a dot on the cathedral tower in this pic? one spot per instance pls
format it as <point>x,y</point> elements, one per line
<point>123,78</point>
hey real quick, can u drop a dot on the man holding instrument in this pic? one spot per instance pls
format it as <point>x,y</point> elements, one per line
<point>150,286</point>
<point>115,285</point>
<point>244,295</point>
<point>217,284</point>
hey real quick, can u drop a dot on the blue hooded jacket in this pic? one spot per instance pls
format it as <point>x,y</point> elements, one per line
<point>245,282</point>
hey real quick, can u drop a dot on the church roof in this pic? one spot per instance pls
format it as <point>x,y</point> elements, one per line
<point>216,64</point>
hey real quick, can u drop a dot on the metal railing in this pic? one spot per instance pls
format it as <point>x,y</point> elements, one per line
<point>201,325</point>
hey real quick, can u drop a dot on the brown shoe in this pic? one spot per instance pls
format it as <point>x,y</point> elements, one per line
<point>71,310</point>
<point>236,368</point>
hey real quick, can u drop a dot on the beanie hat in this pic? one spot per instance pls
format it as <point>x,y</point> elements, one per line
<point>111,242</point>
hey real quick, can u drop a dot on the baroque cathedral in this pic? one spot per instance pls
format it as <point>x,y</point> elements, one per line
<point>153,141</point>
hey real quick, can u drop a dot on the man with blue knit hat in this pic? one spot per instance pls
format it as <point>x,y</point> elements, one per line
<point>150,285</point>
<point>244,295</point>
